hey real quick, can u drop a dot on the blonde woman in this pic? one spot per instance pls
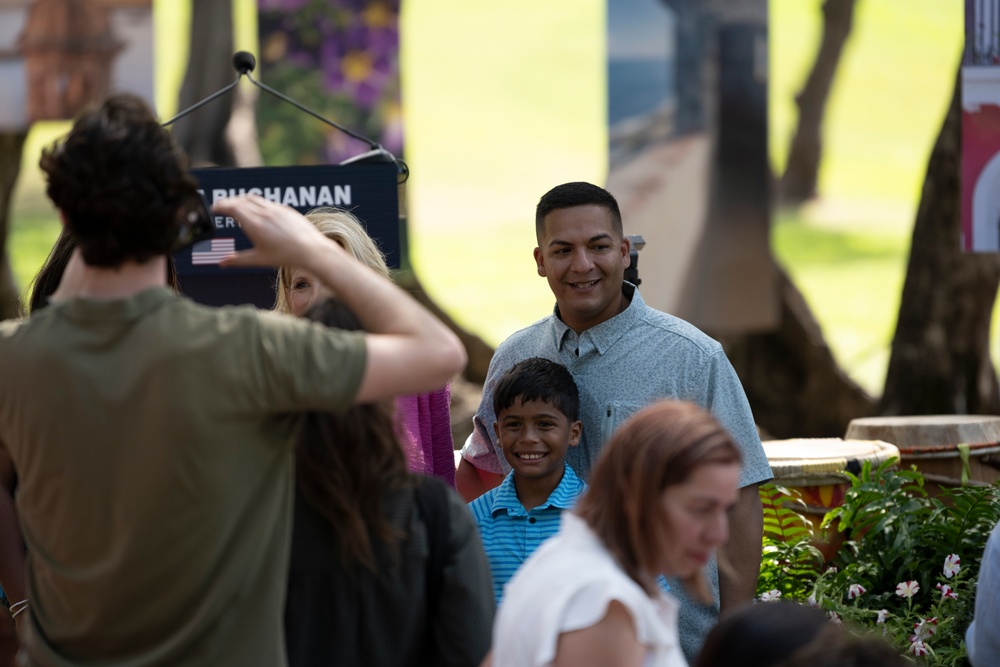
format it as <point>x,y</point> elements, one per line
<point>424,420</point>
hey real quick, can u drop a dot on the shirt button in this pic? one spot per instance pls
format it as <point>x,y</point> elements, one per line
<point>531,519</point>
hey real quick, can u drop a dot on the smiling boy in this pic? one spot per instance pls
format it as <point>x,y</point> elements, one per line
<point>537,406</point>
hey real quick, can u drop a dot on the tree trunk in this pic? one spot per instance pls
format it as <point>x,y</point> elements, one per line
<point>209,68</point>
<point>11,150</point>
<point>940,360</point>
<point>791,378</point>
<point>798,183</point>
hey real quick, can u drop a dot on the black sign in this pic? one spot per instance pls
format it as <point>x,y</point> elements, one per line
<point>366,190</point>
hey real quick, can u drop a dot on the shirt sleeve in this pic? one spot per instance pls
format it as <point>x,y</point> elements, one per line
<point>301,365</point>
<point>728,404</point>
<point>480,449</point>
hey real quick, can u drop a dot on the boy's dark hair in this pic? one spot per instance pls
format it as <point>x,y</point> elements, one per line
<point>538,379</point>
<point>578,193</point>
<point>120,181</point>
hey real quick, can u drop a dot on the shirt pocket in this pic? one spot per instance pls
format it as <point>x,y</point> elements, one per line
<point>615,414</point>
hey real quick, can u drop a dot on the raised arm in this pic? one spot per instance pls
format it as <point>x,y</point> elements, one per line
<point>742,551</point>
<point>408,349</point>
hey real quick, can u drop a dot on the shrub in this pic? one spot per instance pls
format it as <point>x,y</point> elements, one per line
<point>908,568</point>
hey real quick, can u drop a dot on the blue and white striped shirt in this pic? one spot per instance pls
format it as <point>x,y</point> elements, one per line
<point>510,533</point>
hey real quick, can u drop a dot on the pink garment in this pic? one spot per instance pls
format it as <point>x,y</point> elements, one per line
<point>425,420</point>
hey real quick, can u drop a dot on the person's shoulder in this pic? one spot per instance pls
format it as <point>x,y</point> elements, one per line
<point>529,332</point>
<point>481,507</point>
<point>678,329</point>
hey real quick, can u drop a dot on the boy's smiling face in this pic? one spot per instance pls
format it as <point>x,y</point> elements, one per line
<point>534,436</point>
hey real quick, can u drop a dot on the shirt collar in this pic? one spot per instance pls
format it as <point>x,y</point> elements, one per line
<point>563,496</point>
<point>607,333</point>
<point>130,308</point>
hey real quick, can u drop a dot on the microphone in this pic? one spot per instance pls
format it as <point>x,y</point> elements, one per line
<point>244,62</point>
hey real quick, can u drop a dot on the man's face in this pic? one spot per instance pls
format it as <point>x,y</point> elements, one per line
<point>584,259</point>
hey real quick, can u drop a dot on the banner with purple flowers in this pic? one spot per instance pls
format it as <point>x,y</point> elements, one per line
<point>339,58</point>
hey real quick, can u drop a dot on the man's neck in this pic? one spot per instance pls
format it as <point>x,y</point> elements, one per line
<point>120,282</point>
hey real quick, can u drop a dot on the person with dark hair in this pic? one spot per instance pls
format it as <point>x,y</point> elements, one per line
<point>624,355</point>
<point>48,283</point>
<point>787,634</point>
<point>151,437</point>
<point>537,406</point>
<point>657,504</point>
<point>424,419</point>
<point>386,566</point>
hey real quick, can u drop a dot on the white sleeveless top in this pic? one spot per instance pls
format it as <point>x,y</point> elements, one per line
<point>567,585</point>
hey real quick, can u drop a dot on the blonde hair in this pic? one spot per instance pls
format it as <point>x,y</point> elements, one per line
<point>343,227</point>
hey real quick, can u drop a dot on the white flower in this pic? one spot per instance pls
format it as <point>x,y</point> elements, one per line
<point>834,617</point>
<point>811,601</point>
<point>919,648</point>
<point>947,592</point>
<point>951,565</point>
<point>770,596</point>
<point>923,629</point>
<point>907,589</point>
<point>855,591</point>
<point>882,614</point>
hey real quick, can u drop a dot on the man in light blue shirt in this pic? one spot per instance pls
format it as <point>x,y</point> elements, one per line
<point>537,408</point>
<point>624,355</point>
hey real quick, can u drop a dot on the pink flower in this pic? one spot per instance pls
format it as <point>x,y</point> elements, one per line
<point>919,648</point>
<point>770,596</point>
<point>855,591</point>
<point>834,617</point>
<point>907,589</point>
<point>924,628</point>
<point>951,566</point>
<point>882,614</point>
<point>947,592</point>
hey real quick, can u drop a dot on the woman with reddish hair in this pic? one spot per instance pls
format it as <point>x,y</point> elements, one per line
<point>656,505</point>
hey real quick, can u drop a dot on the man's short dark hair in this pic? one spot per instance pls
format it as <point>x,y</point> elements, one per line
<point>538,379</point>
<point>578,193</point>
<point>120,181</point>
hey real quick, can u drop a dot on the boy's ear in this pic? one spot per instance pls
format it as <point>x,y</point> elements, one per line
<point>575,431</point>
<point>496,431</point>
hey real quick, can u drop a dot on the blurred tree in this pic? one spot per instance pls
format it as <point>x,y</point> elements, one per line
<point>940,361</point>
<point>223,132</point>
<point>11,150</point>
<point>798,184</point>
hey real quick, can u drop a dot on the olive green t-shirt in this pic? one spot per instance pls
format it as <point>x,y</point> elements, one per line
<point>152,442</point>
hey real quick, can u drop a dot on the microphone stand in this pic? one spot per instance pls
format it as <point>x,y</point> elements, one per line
<point>244,63</point>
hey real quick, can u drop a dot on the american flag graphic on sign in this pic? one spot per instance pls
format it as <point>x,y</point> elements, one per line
<point>212,251</point>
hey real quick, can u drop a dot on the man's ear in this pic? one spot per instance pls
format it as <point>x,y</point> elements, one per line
<point>539,263</point>
<point>626,252</point>
<point>62,217</point>
<point>575,431</point>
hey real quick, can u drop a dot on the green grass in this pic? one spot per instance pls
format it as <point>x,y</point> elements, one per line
<point>503,100</point>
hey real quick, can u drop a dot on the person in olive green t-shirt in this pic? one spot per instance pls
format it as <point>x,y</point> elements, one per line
<point>150,436</point>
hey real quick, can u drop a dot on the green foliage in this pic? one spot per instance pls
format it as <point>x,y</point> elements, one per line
<point>790,563</point>
<point>897,534</point>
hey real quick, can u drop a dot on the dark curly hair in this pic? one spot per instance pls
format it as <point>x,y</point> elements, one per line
<point>120,181</point>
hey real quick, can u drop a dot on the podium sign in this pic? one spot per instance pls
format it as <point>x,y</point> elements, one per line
<point>366,190</point>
